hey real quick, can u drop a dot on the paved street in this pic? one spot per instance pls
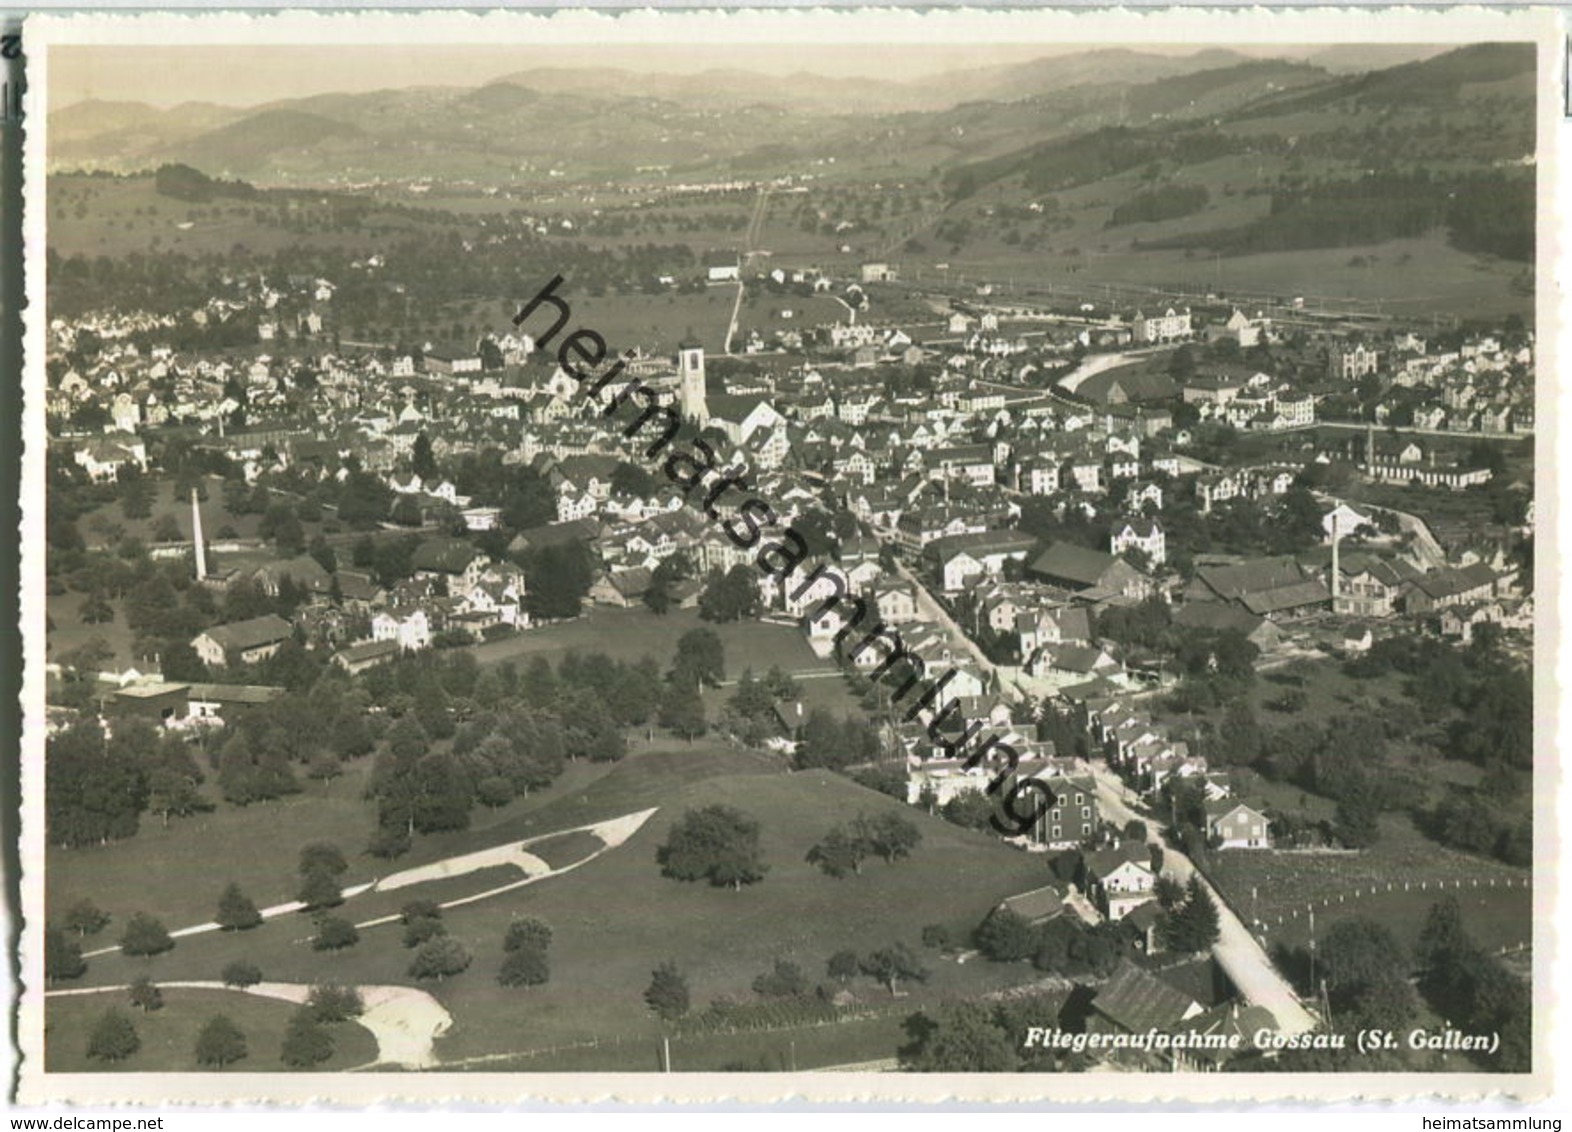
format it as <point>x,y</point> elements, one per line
<point>1236,949</point>
<point>1247,965</point>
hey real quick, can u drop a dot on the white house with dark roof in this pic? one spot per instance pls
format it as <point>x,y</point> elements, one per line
<point>1145,535</point>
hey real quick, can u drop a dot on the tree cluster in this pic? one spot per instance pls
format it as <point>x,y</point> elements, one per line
<point>1193,925</point>
<point>750,712</point>
<point>844,848</point>
<point>1473,989</point>
<point>825,741</point>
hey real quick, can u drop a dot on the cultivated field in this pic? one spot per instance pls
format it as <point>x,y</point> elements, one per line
<point>1286,883</point>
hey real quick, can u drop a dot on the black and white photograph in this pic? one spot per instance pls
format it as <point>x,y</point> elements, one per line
<point>984,557</point>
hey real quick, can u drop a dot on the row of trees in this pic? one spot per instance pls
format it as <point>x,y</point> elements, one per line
<point>669,996</point>
<point>307,1039</point>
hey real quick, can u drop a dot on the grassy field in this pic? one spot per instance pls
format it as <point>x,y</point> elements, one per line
<point>805,1047</point>
<point>616,918</point>
<point>629,634</point>
<point>169,1035</point>
<point>256,847</point>
<point>113,217</point>
<point>653,323</point>
<point>565,848</point>
<point>1403,277</point>
<point>765,313</point>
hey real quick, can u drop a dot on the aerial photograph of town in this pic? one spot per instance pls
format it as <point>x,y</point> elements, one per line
<point>736,558</point>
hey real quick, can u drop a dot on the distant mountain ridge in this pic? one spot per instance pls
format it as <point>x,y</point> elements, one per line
<point>598,122</point>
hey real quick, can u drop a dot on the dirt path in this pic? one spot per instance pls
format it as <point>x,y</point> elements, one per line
<point>612,833</point>
<point>404,1021</point>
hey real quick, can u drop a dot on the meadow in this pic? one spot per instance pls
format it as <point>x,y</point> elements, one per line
<point>616,917</point>
<point>168,1035</point>
<point>629,634</point>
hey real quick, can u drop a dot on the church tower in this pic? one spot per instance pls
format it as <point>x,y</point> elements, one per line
<point>690,370</point>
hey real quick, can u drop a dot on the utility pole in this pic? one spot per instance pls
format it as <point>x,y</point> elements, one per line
<point>1312,946</point>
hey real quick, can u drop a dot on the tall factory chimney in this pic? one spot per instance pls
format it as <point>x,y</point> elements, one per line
<point>196,537</point>
<point>1337,537</point>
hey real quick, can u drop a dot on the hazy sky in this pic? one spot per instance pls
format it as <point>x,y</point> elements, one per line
<point>247,75</point>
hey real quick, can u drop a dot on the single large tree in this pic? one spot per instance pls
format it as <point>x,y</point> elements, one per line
<point>667,994</point>
<point>236,912</point>
<point>333,1002</point>
<point>113,1038</point>
<point>306,1041</point>
<point>784,980</point>
<point>1358,818</point>
<point>527,932</point>
<point>1366,973</point>
<point>144,935</point>
<point>894,965</point>
<point>334,933</point>
<point>526,967</point>
<point>888,835</point>
<point>843,966</point>
<point>86,918</point>
<point>1007,936</point>
<point>958,1038</point>
<point>220,1043</point>
<point>319,890</point>
<point>701,658</point>
<point>682,711</point>
<point>1194,925</point>
<point>731,596</point>
<point>438,958</point>
<point>241,973</point>
<point>62,955</point>
<point>146,995</point>
<point>717,843</point>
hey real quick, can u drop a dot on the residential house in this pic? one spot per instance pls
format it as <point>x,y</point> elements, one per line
<point>1170,326</point>
<point>453,560</point>
<point>1234,825</point>
<point>1145,535</point>
<point>1136,1001</point>
<point>368,654</point>
<point>242,642</point>
<point>1119,879</point>
<point>408,627</point>
<point>1071,819</point>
